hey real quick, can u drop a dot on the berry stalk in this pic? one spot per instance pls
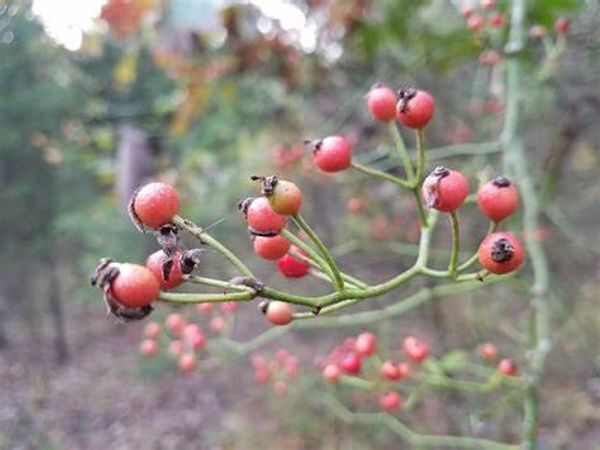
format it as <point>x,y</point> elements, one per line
<point>402,152</point>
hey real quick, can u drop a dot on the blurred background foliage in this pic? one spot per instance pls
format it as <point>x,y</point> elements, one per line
<point>202,94</point>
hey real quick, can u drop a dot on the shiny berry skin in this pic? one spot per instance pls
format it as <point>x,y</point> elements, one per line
<point>445,189</point>
<point>149,347</point>
<point>262,220</point>
<point>186,363</point>
<point>331,373</point>
<point>279,313</point>
<point>507,367</point>
<point>501,253</point>
<point>351,364</point>
<point>152,330</point>
<point>154,263</point>
<point>333,154</point>
<point>389,370</point>
<point>415,108</point>
<point>562,25</point>
<point>488,351</point>
<point>271,248</point>
<point>286,198</point>
<point>381,102</point>
<point>156,204</point>
<point>390,401</point>
<point>135,286</point>
<point>366,344</point>
<point>475,22</point>
<point>415,350</point>
<point>291,267</point>
<point>498,199</point>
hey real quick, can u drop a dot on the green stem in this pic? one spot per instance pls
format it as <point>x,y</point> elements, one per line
<point>410,436</point>
<point>420,209</point>
<point>317,261</point>
<point>402,152</point>
<point>475,257</point>
<point>453,265</point>
<point>420,134</point>
<point>337,277</point>
<point>216,283</point>
<point>381,175</point>
<point>179,297</point>
<point>207,239</point>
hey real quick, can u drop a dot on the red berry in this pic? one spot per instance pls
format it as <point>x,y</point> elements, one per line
<point>415,108</point>
<point>333,154</point>
<point>155,264</point>
<point>496,20</point>
<point>467,10</point>
<point>355,205</point>
<point>489,58</point>
<point>390,401</point>
<point>488,4</point>
<point>488,351</point>
<point>351,364</point>
<point>204,308</point>
<point>381,102</point>
<point>194,336</point>
<point>498,199</point>
<point>501,253</point>
<point>175,323</point>
<point>286,198</point>
<point>156,204</point>
<point>404,369</point>
<point>271,248</point>
<point>390,371</point>
<point>261,375</point>
<point>332,373</point>
<point>134,286</point>
<point>366,344</point>
<point>445,189</point>
<point>507,367</point>
<point>218,324</point>
<point>186,363</point>
<point>415,349</point>
<point>291,267</point>
<point>149,347</point>
<point>279,313</point>
<point>475,22</point>
<point>176,348</point>
<point>562,24</point>
<point>152,330</point>
<point>229,307</point>
<point>262,220</point>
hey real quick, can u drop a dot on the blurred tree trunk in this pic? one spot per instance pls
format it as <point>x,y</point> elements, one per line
<point>134,160</point>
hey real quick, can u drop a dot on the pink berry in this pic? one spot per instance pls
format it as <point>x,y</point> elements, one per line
<point>381,102</point>
<point>351,364</point>
<point>332,373</point>
<point>366,344</point>
<point>279,313</point>
<point>149,347</point>
<point>445,189</point>
<point>390,401</point>
<point>390,371</point>
<point>415,350</point>
<point>415,108</point>
<point>152,330</point>
<point>291,267</point>
<point>186,363</point>
<point>333,154</point>
<point>271,248</point>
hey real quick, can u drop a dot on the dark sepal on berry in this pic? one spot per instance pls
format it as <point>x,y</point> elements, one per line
<point>315,145</point>
<point>267,183</point>
<point>263,306</point>
<point>168,238</point>
<point>405,94</point>
<point>244,205</point>
<point>502,251</point>
<point>133,215</point>
<point>190,259</point>
<point>431,185</point>
<point>501,182</point>
<point>103,276</point>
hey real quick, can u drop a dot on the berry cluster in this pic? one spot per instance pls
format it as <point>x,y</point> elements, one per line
<point>279,370</point>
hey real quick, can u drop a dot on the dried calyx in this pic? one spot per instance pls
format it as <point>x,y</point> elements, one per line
<point>502,251</point>
<point>267,183</point>
<point>405,94</point>
<point>502,182</point>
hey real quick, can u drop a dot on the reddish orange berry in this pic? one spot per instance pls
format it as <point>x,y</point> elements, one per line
<point>156,204</point>
<point>155,264</point>
<point>279,313</point>
<point>381,102</point>
<point>134,286</point>
<point>271,248</point>
<point>501,253</point>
